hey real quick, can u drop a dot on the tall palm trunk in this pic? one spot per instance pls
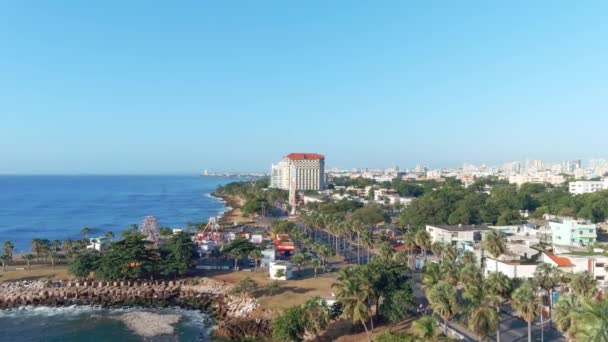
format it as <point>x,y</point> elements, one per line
<point>445,326</point>
<point>498,324</point>
<point>358,249</point>
<point>366,332</point>
<point>529,331</point>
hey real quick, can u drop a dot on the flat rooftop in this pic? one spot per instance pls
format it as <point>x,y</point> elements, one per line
<point>461,227</point>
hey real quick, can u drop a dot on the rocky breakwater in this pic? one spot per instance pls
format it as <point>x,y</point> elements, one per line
<point>231,312</point>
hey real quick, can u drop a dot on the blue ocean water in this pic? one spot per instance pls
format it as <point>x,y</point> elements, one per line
<point>86,323</point>
<point>58,207</point>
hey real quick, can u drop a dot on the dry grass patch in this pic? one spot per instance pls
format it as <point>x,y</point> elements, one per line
<point>37,272</point>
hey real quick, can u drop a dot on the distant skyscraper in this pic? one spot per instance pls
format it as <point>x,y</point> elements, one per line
<point>304,171</point>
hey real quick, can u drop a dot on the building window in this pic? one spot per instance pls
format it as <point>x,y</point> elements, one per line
<point>599,264</point>
<point>599,278</point>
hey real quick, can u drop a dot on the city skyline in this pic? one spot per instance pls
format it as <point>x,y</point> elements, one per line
<point>145,89</point>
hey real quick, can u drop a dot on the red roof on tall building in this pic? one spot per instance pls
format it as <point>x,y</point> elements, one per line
<point>312,156</point>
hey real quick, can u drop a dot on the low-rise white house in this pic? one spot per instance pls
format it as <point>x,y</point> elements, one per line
<point>453,234</point>
<point>98,243</point>
<point>277,266</point>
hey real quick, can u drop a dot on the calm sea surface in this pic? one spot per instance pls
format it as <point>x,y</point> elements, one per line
<point>58,207</point>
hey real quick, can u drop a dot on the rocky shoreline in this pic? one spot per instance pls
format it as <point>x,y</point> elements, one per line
<point>231,313</point>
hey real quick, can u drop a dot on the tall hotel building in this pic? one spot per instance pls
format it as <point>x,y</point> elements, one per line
<point>307,170</point>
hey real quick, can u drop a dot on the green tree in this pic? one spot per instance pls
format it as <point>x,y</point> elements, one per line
<point>546,277</point>
<point>565,313</point>
<point>443,300</point>
<point>178,254</point>
<point>289,325</point>
<point>583,285</point>
<point>299,259</point>
<point>315,263</point>
<point>398,303</point>
<point>271,287</point>
<point>132,229</point>
<point>28,259</point>
<point>245,286</point>
<point>425,329</point>
<point>431,276</point>
<point>393,336</point>
<point>9,248</point>
<point>354,294</point>
<point>370,215</point>
<point>85,232</point>
<point>316,315</point>
<point>238,249</point>
<point>592,322</point>
<point>84,263</point>
<point>256,256</point>
<point>4,259</point>
<point>527,304</point>
<point>129,258</point>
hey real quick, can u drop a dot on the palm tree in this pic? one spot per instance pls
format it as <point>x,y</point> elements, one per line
<point>470,275</point>
<point>481,318</point>
<point>592,321</point>
<point>299,259</point>
<point>53,256</point>
<point>444,302</point>
<point>437,248</point>
<point>425,328</point>
<point>583,285</point>
<point>565,313</point>
<point>324,252</point>
<point>56,245</point>
<point>431,276</point>
<point>236,254</point>
<point>499,288</point>
<point>256,255</point>
<point>450,271</point>
<point>358,229</point>
<point>9,248</point>
<point>67,246</point>
<point>409,239</point>
<point>315,263</point>
<point>28,259</point>
<point>547,278</point>
<point>495,244</point>
<point>526,303</point>
<point>449,254</point>
<point>354,299</point>
<point>37,247</point>
<point>423,240</point>
<point>85,232</point>
<point>316,315</point>
<point>368,241</point>
<point>4,260</point>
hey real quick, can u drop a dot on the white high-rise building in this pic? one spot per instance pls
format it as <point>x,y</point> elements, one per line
<point>308,170</point>
<point>586,187</point>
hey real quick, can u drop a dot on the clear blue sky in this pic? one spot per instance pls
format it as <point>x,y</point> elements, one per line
<point>177,87</point>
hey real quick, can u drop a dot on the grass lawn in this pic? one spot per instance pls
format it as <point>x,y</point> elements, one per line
<point>291,292</point>
<point>37,272</point>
